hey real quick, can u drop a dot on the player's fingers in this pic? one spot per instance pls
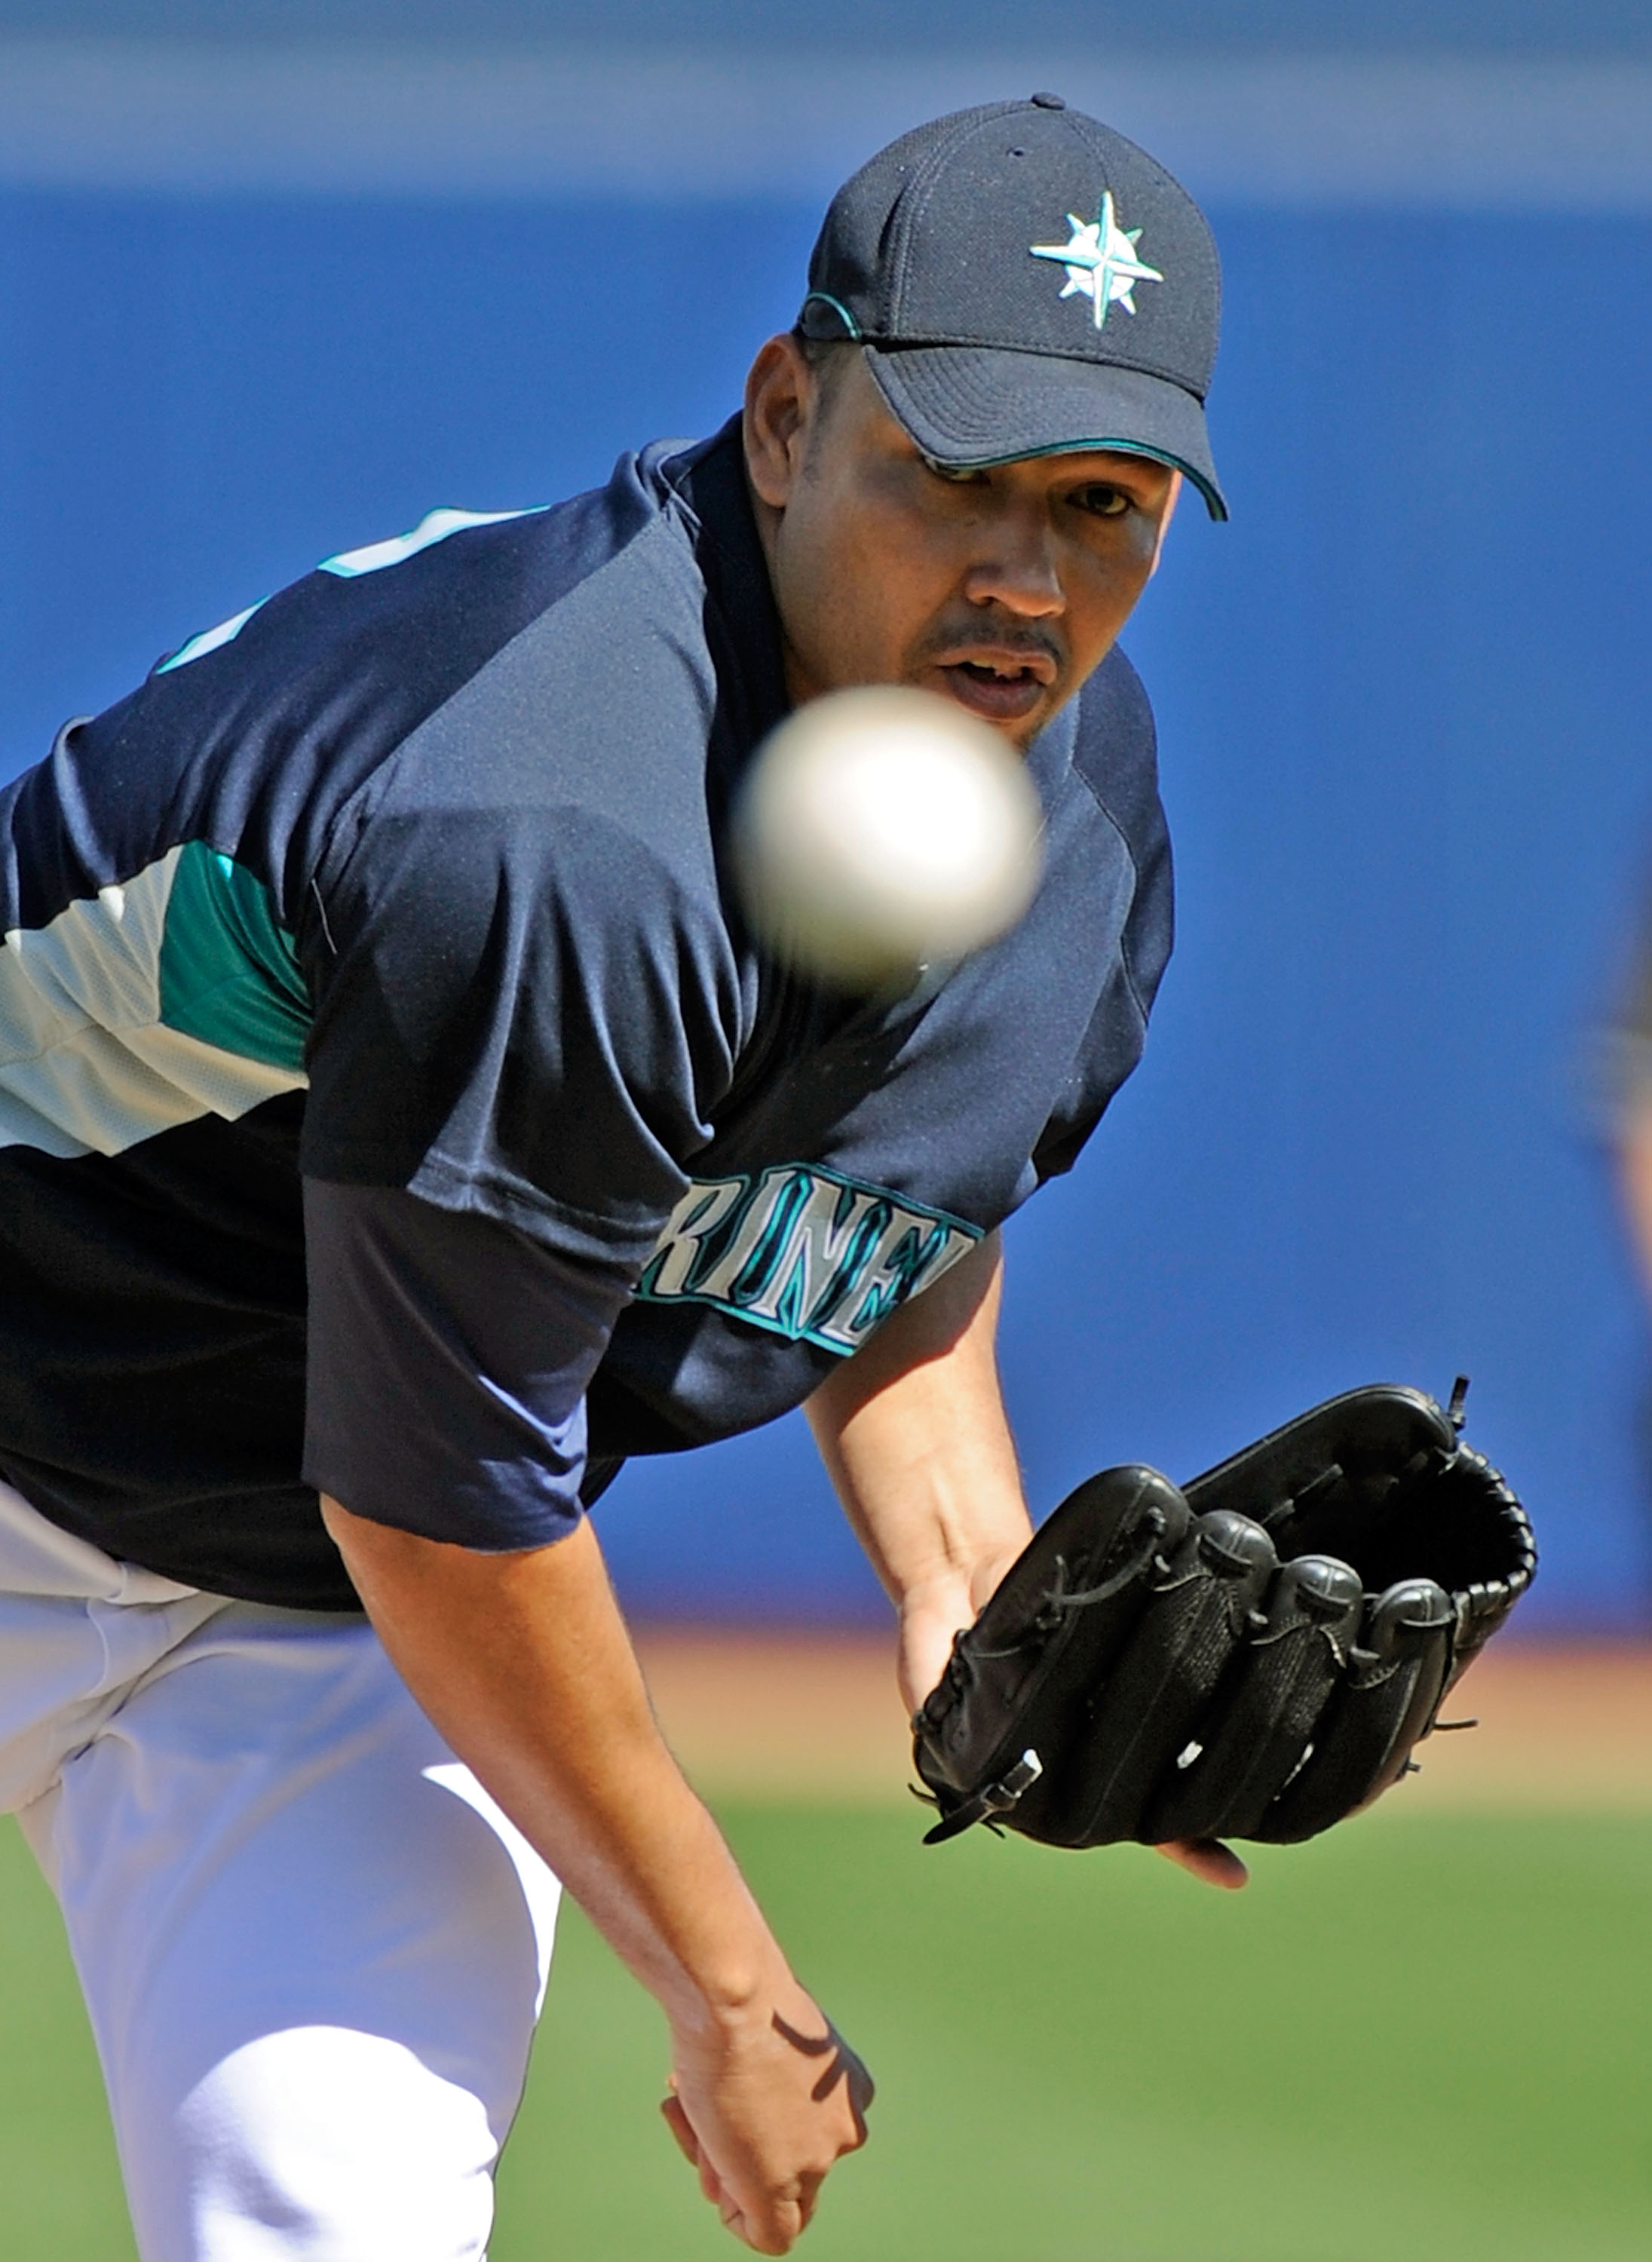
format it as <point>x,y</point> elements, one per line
<point>1209,1860</point>
<point>769,2222</point>
<point>772,2229</point>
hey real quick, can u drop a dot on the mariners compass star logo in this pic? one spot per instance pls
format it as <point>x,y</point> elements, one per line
<point>1100,260</point>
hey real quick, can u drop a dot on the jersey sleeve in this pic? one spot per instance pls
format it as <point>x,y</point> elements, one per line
<point>524,1013</point>
<point>448,1361</point>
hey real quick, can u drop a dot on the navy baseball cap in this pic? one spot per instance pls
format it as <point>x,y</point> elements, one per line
<point>1026,282</point>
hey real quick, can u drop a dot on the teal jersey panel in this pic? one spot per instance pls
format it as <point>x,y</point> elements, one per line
<point>229,973</point>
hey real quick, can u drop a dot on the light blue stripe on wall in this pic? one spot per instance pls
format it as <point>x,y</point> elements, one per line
<point>1443,133</point>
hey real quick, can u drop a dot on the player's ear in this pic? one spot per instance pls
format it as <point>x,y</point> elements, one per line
<point>1171,501</point>
<point>780,394</point>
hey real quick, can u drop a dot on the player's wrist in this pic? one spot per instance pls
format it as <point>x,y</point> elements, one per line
<point>732,2007</point>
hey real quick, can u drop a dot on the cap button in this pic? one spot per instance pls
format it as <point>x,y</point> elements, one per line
<point>1048,102</point>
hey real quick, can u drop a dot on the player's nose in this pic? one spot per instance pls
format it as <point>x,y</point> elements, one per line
<point>1017,567</point>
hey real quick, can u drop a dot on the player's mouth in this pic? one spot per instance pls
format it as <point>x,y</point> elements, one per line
<point>999,687</point>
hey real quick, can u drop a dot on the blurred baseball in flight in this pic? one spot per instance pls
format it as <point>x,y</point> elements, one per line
<point>882,829</point>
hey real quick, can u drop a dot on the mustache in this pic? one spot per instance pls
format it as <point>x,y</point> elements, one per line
<point>1020,639</point>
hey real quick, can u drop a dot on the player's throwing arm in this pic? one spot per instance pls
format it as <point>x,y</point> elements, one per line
<point>522,1662</point>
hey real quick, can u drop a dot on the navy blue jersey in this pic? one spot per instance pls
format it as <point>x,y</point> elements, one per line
<point>391,1102</point>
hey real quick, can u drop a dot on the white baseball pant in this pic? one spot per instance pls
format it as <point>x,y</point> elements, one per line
<point>312,1947</point>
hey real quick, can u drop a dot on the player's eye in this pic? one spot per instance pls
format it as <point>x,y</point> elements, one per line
<point>1104,501</point>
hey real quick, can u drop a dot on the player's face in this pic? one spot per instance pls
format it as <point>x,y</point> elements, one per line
<point>1000,588</point>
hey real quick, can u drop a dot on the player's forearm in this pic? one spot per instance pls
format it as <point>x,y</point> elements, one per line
<point>523,1662</point>
<point>913,1432</point>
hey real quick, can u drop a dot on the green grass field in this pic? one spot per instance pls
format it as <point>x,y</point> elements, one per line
<point>1417,2035</point>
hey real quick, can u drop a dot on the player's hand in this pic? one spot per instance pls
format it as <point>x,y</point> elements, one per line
<point>762,2107</point>
<point>934,1609</point>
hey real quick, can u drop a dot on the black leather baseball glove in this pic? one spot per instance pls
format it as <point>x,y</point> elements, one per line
<point>1253,1657</point>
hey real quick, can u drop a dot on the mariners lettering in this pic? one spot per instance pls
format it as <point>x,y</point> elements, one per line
<point>802,1252</point>
<point>696,1218</point>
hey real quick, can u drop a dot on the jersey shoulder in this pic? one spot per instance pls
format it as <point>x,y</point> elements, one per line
<point>249,737</point>
<point>163,874</point>
<point>1115,752</point>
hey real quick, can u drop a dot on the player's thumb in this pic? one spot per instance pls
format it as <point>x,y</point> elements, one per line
<point>677,2120</point>
<point>694,2152</point>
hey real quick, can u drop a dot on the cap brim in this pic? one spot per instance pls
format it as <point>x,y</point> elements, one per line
<point>970,406</point>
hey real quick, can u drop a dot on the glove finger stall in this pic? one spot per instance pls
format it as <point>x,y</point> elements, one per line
<point>1263,1716</point>
<point>1151,1703</point>
<point>1394,1682</point>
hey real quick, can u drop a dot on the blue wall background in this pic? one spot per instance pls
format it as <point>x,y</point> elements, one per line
<point>1403,707</point>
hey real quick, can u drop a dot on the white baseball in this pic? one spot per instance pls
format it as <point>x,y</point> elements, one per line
<point>882,829</point>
